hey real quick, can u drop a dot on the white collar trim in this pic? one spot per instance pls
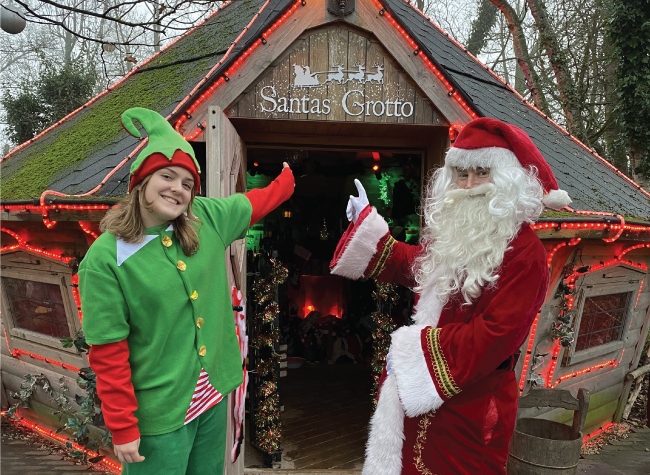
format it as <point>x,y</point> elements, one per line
<point>127,249</point>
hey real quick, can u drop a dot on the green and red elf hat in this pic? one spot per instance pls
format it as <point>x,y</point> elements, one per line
<point>166,147</point>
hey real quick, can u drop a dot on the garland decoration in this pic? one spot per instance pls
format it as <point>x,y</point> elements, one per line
<point>267,409</point>
<point>385,295</point>
<point>563,329</point>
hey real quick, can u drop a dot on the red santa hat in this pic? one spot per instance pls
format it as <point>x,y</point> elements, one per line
<point>490,143</point>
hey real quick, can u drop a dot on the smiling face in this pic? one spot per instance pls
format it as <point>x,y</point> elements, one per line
<point>467,178</point>
<point>168,193</point>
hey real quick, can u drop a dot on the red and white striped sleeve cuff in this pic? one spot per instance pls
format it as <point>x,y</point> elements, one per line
<point>364,248</point>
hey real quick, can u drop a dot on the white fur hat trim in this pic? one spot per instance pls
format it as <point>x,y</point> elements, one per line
<point>556,199</point>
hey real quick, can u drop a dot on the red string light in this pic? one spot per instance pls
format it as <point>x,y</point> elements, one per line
<point>572,242</point>
<point>75,294</point>
<point>558,348</point>
<point>17,352</point>
<point>529,351</point>
<point>86,228</point>
<point>621,228</point>
<point>23,245</point>
<point>638,296</point>
<point>564,377</point>
<point>417,49</point>
<point>133,71</point>
<point>511,89</point>
<point>598,431</point>
<point>50,434</point>
<point>228,74</point>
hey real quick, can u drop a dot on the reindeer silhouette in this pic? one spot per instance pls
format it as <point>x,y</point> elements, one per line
<point>377,77</point>
<point>335,76</point>
<point>359,75</point>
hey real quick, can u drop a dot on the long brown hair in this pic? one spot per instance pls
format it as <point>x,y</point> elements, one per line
<point>125,220</point>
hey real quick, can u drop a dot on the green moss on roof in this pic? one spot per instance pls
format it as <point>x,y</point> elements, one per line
<point>91,133</point>
<point>95,126</point>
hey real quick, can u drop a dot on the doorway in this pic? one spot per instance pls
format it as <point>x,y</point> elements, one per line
<point>325,322</point>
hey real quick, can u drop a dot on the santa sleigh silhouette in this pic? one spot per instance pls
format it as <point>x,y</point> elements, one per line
<point>305,78</point>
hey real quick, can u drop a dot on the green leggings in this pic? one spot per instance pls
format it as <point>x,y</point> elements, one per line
<point>198,448</point>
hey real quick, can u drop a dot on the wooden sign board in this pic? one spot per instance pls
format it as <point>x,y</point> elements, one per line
<point>336,75</point>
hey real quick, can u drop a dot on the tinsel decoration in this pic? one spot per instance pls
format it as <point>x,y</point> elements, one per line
<point>385,295</point>
<point>267,408</point>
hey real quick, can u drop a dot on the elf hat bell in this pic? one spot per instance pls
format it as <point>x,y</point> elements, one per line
<point>166,147</point>
<point>490,143</point>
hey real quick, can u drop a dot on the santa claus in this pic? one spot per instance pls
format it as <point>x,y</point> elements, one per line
<point>448,398</point>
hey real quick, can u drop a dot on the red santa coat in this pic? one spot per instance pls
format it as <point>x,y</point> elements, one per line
<point>447,409</point>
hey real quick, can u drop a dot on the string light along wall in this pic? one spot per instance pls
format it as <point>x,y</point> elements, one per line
<point>418,51</point>
<point>230,72</point>
<point>521,98</point>
<point>570,303</point>
<point>50,434</point>
<point>133,71</point>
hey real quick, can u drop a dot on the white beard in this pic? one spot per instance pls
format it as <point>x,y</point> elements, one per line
<point>467,245</point>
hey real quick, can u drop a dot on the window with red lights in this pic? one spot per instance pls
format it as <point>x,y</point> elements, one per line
<point>36,306</point>
<point>607,310</point>
<point>603,320</point>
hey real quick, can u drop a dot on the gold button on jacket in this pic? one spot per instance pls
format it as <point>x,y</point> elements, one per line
<point>202,351</point>
<point>195,295</point>
<point>181,266</point>
<point>167,241</point>
<point>199,322</point>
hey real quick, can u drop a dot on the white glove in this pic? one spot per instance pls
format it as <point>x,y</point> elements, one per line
<point>389,368</point>
<point>357,205</point>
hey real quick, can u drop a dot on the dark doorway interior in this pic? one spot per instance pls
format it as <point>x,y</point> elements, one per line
<point>326,321</point>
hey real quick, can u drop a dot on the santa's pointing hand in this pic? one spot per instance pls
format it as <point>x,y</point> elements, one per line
<point>356,204</point>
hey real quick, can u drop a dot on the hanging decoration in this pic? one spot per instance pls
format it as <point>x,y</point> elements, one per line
<point>324,235</point>
<point>267,410</point>
<point>385,295</point>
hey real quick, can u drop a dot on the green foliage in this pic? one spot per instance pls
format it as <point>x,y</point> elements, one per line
<point>629,34</point>
<point>481,26</point>
<point>25,116</point>
<point>77,422</point>
<point>65,89</point>
<point>55,94</point>
<point>79,342</point>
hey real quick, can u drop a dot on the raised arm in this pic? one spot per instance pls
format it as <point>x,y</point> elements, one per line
<point>265,200</point>
<point>367,250</point>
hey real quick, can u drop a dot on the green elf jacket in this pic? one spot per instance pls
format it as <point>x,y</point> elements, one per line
<point>173,310</point>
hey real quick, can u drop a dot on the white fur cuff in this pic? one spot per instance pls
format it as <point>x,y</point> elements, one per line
<point>414,382</point>
<point>361,247</point>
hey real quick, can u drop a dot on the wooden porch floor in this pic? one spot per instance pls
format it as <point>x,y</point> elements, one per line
<point>326,413</point>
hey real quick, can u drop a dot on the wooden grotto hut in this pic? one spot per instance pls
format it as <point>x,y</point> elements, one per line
<point>361,88</point>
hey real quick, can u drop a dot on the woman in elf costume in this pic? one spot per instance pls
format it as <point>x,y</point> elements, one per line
<point>157,309</point>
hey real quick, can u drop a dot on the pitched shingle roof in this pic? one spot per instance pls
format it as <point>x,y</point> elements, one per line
<point>78,154</point>
<point>591,183</point>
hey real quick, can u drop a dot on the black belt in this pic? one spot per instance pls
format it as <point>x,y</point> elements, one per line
<point>510,362</point>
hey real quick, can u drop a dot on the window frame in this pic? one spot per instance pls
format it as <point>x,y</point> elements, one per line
<point>597,290</point>
<point>33,342</point>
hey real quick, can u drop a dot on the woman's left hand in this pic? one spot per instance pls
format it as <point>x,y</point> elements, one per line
<point>285,165</point>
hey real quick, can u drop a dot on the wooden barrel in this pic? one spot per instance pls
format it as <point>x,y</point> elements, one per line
<point>541,447</point>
